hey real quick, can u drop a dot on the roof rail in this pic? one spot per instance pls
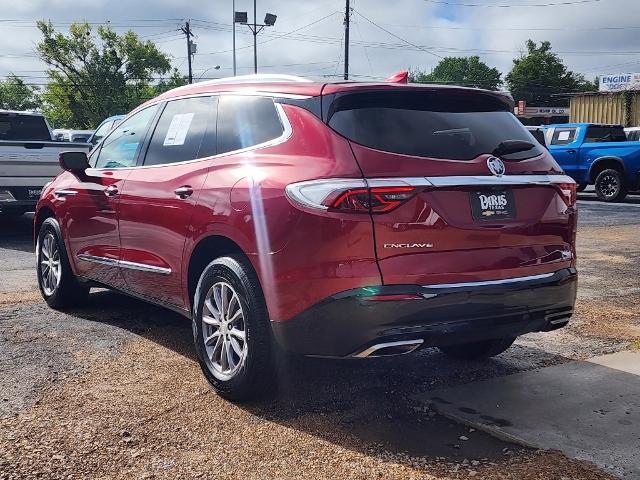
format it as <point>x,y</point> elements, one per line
<point>257,78</point>
<point>260,77</point>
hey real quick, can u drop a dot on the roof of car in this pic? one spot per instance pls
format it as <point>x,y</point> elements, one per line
<point>290,85</point>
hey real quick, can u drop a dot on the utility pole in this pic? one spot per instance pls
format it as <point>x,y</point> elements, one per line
<point>255,38</point>
<point>347,14</point>
<point>190,47</point>
<point>234,37</point>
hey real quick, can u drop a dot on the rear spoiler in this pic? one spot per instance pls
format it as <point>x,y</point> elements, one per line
<point>400,77</point>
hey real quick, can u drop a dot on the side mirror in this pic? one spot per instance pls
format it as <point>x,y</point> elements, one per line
<point>74,162</point>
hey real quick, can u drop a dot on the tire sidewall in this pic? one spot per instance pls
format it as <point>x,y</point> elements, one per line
<point>229,270</point>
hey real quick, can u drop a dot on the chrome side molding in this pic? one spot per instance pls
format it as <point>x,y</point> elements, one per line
<point>470,180</point>
<point>483,283</point>
<point>125,264</point>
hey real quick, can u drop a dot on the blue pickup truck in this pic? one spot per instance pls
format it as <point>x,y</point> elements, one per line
<point>596,154</point>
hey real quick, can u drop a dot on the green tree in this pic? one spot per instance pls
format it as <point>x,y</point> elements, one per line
<point>539,76</point>
<point>95,74</point>
<point>465,71</point>
<point>16,95</point>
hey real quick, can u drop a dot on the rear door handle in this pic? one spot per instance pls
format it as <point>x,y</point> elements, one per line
<point>183,192</point>
<point>571,150</point>
<point>111,191</point>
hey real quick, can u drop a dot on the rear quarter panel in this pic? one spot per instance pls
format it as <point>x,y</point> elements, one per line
<point>300,257</point>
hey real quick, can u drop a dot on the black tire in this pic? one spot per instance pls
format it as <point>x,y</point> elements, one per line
<point>581,187</point>
<point>68,292</point>
<point>475,350</point>
<point>255,374</point>
<point>610,186</point>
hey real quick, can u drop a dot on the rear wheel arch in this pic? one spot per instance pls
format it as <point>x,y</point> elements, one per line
<point>604,163</point>
<point>204,252</point>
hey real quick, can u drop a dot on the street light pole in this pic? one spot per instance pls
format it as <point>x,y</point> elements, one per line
<point>255,39</point>
<point>255,27</point>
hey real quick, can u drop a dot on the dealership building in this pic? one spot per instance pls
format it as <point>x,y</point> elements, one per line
<point>616,102</point>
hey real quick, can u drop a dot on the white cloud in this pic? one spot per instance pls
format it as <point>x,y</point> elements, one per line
<point>316,50</point>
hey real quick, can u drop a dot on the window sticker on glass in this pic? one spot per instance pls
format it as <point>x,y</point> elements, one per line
<point>563,136</point>
<point>177,132</point>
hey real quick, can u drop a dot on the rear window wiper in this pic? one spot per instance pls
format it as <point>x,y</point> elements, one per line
<point>512,146</point>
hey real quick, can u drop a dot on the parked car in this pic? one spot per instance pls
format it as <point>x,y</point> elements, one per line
<point>105,127</point>
<point>596,154</point>
<point>28,159</point>
<point>68,135</point>
<point>344,220</point>
<point>633,134</point>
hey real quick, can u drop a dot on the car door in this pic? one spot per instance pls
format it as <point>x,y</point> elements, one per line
<point>159,197</point>
<point>92,201</point>
<point>564,148</point>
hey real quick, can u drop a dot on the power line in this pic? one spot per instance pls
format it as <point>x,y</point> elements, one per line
<point>398,37</point>
<point>277,37</point>
<point>551,4</point>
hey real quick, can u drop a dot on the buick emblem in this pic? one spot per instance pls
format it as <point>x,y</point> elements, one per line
<point>496,166</point>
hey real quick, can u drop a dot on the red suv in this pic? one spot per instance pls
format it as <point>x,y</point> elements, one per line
<point>326,219</point>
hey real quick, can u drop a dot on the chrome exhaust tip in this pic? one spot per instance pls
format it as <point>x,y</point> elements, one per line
<point>390,348</point>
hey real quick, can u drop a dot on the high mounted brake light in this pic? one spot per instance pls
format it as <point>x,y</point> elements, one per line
<point>349,196</point>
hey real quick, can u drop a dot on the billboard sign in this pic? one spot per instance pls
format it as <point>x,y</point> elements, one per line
<point>619,82</point>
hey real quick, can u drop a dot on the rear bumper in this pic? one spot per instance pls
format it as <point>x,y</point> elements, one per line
<point>350,322</point>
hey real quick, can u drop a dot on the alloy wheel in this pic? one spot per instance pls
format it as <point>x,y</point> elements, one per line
<point>609,186</point>
<point>50,266</point>
<point>224,331</point>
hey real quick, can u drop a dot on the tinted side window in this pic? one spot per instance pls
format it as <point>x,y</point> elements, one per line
<point>246,121</point>
<point>563,136</point>
<point>597,134</point>
<point>181,129</point>
<point>120,147</point>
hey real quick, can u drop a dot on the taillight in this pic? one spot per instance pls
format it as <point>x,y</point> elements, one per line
<point>349,196</point>
<point>569,193</point>
<point>375,200</point>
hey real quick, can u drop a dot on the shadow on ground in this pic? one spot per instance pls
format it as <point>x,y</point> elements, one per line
<point>369,400</point>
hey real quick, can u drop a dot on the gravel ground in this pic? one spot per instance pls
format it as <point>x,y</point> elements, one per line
<point>113,390</point>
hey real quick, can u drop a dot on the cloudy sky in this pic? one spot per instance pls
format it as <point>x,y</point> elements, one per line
<point>592,36</point>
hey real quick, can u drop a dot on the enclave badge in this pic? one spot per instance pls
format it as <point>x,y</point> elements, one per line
<point>496,166</point>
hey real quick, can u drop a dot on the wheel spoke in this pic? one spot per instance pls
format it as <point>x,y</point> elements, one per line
<point>216,350</point>
<point>231,306</point>
<point>217,299</point>
<point>209,340</point>
<point>236,347</point>
<point>230,361</point>
<point>224,361</point>
<point>236,316</point>
<point>209,320</point>
<point>224,300</point>
<point>239,334</point>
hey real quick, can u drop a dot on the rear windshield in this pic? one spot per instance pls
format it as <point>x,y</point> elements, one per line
<point>23,127</point>
<point>448,125</point>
